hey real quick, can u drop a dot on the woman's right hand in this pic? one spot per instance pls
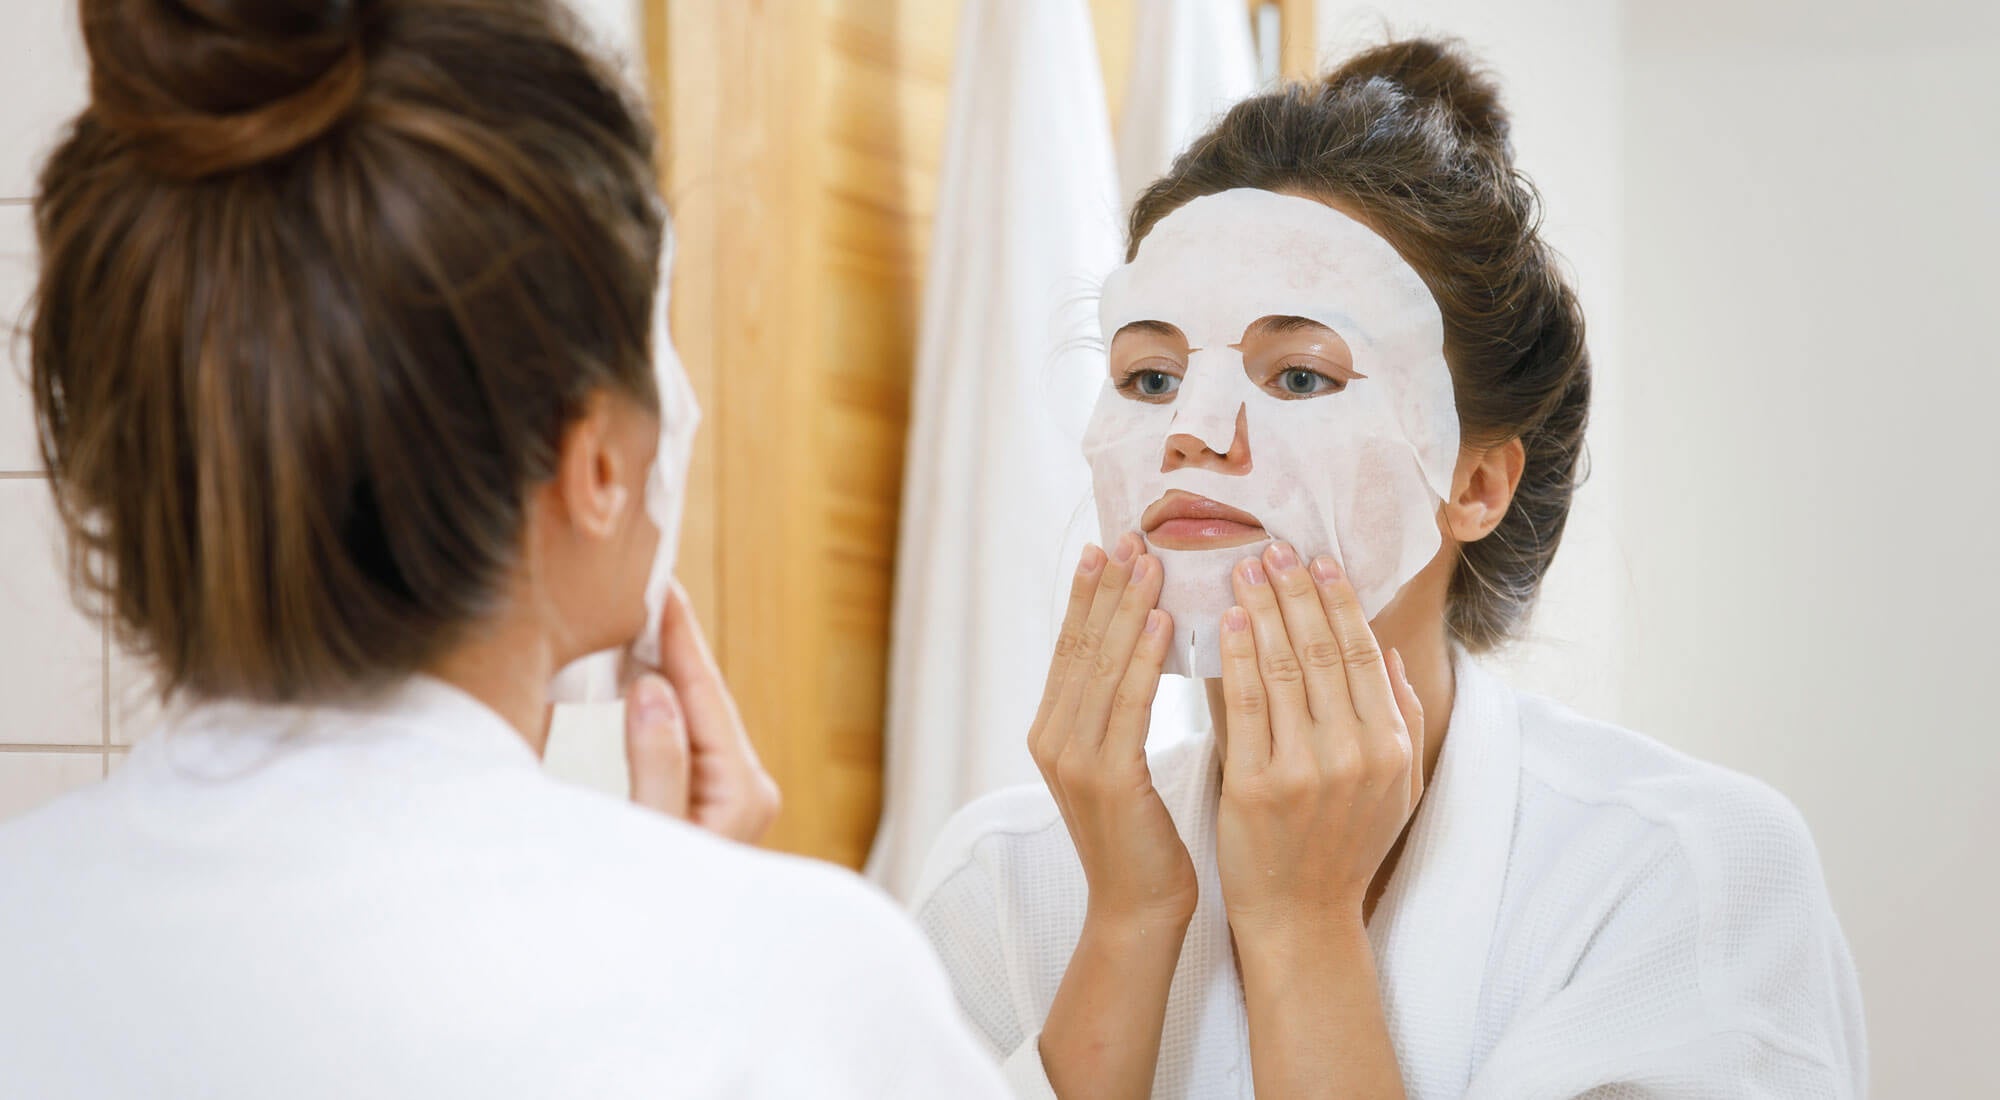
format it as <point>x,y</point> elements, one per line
<point>1089,739</point>
<point>685,746</point>
<point>1101,1039</point>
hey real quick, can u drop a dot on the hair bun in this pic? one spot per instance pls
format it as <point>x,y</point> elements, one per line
<point>1438,70</point>
<point>209,86</point>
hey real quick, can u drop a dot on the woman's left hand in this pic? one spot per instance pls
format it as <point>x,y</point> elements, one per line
<point>1324,758</point>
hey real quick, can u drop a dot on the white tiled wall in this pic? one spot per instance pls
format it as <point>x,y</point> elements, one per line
<point>55,731</point>
<point>51,655</point>
<point>17,277</point>
<point>27,779</point>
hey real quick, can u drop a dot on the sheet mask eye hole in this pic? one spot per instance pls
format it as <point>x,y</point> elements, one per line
<point>1300,382</point>
<point>1154,384</point>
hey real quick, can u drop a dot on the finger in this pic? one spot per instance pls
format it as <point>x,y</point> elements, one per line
<point>1121,637</point>
<point>656,747</point>
<point>1132,706</point>
<point>1367,676</point>
<point>1082,590</point>
<point>1245,713</point>
<point>708,709</point>
<point>745,813</point>
<point>1284,679</point>
<point>1412,710</point>
<point>1313,643</point>
<point>1086,656</point>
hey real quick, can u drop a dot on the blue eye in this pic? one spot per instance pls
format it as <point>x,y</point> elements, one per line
<point>1154,383</point>
<point>1300,382</point>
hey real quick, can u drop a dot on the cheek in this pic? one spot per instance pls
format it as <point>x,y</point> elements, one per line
<point>643,534</point>
<point>1122,473</point>
<point>627,581</point>
<point>1125,441</point>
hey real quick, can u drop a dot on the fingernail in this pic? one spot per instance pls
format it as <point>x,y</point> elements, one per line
<point>1325,570</point>
<point>656,700</point>
<point>1127,546</point>
<point>1282,557</point>
<point>1253,571</point>
<point>1235,619</point>
<point>1093,560</point>
<point>1153,620</point>
<point>1142,568</point>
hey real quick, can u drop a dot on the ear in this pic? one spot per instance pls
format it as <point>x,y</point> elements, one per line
<point>589,486</point>
<point>1482,489</point>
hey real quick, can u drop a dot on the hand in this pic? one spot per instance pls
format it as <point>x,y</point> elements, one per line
<point>1089,739</point>
<point>1324,761</point>
<point>1102,1035</point>
<point>685,745</point>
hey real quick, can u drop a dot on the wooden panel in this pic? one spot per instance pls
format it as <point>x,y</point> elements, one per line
<point>887,93</point>
<point>739,109</point>
<point>1113,20</point>
<point>1298,39</point>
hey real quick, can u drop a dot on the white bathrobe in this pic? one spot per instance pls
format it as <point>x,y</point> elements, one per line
<point>1578,911</point>
<point>395,901</point>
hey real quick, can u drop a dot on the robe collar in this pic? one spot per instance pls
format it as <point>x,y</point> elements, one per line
<point>1433,927</point>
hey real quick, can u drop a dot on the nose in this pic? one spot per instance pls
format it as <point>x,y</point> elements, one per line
<point>1186,450</point>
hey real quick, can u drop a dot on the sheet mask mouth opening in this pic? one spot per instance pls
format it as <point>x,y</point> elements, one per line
<point>1181,520</point>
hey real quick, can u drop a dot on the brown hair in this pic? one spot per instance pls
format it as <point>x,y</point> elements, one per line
<point>322,282</point>
<point>1411,136</point>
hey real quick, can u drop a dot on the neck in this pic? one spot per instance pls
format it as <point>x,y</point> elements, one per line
<point>506,665</point>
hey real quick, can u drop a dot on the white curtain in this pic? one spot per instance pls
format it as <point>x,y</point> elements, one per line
<point>995,490</point>
<point>1191,60</point>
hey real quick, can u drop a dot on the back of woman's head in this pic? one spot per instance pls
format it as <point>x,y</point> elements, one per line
<point>1411,138</point>
<point>322,282</point>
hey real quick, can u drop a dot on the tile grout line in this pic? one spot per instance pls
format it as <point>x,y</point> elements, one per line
<point>67,750</point>
<point>104,684</point>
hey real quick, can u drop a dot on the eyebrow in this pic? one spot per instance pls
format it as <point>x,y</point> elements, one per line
<point>1157,328</point>
<point>1279,325</point>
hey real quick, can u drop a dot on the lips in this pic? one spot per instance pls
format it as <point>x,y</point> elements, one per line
<point>1181,520</point>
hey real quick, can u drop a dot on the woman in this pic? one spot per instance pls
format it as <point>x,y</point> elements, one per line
<point>1387,874</point>
<point>343,365</point>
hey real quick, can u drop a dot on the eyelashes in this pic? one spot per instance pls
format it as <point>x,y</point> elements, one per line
<point>1295,381</point>
<point>1148,384</point>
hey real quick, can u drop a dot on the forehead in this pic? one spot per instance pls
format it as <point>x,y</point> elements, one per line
<point>1225,260</point>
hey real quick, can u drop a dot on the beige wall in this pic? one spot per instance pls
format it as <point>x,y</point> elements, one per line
<point>1813,389</point>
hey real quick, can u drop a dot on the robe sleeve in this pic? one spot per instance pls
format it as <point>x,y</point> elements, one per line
<point>1714,970</point>
<point>1024,1072</point>
<point>959,908</point>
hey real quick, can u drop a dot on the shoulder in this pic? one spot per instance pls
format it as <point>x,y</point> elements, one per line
<point>1695,882</point>
<point>649,859</point>
<point>800,932</point>
<point>1716,818</point>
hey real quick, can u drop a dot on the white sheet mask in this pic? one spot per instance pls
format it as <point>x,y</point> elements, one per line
<point>600,676</point>
<point>1356,474</point>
